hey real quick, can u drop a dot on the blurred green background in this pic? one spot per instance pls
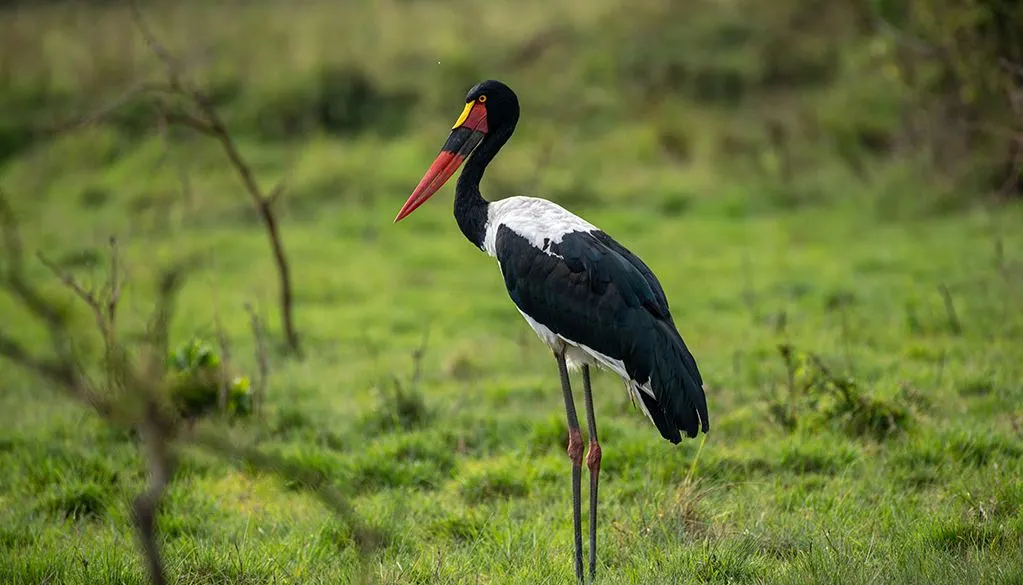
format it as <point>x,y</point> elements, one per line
<point>836,177</point>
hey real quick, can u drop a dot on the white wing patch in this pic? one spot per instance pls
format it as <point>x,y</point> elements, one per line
<point>532,218</point>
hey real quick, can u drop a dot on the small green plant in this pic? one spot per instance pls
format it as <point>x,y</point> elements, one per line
<point>816,396</point>
<point>198,376</point>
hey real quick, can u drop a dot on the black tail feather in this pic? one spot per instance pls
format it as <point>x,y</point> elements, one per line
<point>667,429</point>
<point>679,402</point>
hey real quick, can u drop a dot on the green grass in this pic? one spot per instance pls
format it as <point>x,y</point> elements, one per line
<point>466,476</point>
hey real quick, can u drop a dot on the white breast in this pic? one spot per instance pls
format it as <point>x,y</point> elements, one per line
<point>534,219</point>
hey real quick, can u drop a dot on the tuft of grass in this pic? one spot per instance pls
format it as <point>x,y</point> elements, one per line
<point>500,480</point>
<point>976,387</point>
<point>463,526</point>
<point>289,421</point>
<point>736,563</point>
<point>397,408</point>
<point>962,537</point>
<point>78,502</point>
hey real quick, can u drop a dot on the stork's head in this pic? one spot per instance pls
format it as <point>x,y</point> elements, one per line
<point>491,109</point>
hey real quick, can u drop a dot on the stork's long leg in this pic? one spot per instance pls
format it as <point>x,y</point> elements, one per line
<point>575,453</point>
<point>593,462</point>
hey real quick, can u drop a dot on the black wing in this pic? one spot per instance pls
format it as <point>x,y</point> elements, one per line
<point>593,291</point>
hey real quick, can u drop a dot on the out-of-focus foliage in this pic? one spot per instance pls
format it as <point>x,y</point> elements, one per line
<point>197,378</point>
<point>962,64</point>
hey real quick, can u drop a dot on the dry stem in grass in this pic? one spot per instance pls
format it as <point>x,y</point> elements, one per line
<point>225,358</point>
<point>263,361</point>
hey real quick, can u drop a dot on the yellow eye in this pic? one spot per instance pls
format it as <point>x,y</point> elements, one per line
<point>482,98</point>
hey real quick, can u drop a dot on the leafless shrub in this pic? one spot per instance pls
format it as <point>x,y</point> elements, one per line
<point>134,391</point>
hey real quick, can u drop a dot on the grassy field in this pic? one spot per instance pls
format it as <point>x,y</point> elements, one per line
<point>896,459</point>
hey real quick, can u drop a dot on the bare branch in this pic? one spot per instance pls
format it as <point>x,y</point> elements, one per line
<point>64,375</point>
<point>160,463</point>
<point>209,122</point>
<point>170,284</point>
<point>275,194</point>
<point>173,67</point>
<point>189,121</point>
<point>843,385</point>
<point>98,309</point>
<point>136,90</point>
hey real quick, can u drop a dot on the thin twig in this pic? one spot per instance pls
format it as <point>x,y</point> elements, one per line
<point>140,88</point>
<point>262,361</point>
<point>223,380</point>
<point>950,309</point>
<point>842,385</point>
<point>104,308</point>
<point>190,121</point>
<point>103,112</point>
<point>173,67</point>
<point>158,331</point>
<point>98,308</point>
<point>113,292</point>
<point>417,359</point>
<point>787,356</point>
<point>276,193</point>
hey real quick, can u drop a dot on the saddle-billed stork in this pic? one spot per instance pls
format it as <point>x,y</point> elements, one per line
<point>586,296</point>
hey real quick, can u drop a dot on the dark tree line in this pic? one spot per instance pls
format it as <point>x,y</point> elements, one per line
<point>962,65</point>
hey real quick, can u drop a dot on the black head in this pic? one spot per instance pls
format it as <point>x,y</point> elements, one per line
<point>491,112</point>
<point>501,102</point>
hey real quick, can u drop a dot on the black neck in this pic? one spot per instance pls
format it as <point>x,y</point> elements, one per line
<point>470,206</point>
